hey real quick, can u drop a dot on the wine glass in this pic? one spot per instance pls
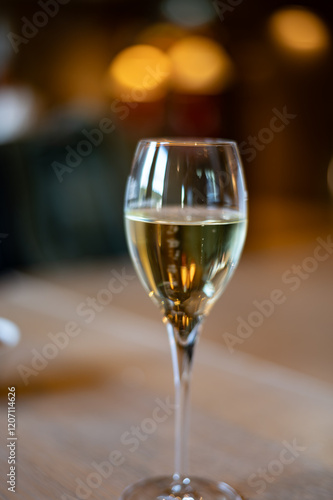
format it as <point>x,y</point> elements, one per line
<point>186,221</point>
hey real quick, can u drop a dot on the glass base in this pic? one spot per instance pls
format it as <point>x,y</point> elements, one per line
<point>171,488</point>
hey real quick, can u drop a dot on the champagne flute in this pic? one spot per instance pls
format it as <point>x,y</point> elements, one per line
<point>186,221</point>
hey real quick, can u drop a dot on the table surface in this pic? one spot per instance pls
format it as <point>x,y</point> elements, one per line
<point>262,413</point>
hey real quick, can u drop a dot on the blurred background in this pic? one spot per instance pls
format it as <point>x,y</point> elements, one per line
<point>82,81</point>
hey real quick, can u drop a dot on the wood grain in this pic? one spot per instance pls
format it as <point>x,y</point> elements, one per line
<point>84,405</point>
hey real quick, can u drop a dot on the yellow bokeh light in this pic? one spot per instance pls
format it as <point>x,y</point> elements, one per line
<point>200,66</point>
<point>299,32</point>
<point>140,73</point>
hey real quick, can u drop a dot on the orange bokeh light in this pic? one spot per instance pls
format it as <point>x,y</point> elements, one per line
<point>140,73</point>
<point>200,66</point>
<point>299,32</point>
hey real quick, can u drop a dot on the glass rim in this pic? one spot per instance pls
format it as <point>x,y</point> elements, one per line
<point>188,141</point>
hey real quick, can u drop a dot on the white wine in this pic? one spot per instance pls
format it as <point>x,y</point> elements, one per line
<point>185,257</point>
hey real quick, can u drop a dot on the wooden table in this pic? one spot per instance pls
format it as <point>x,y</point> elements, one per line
<point>94,413</point>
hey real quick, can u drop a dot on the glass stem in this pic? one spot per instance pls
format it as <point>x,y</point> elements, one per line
<point>182,357</point>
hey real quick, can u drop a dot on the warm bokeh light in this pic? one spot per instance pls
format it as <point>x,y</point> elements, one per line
<point>140,73</point>
<point>299,32</point>
<point>200,66</point>
<point>161,35</point>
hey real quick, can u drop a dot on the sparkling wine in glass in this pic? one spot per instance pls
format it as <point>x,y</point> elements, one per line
<point>186,221</point>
